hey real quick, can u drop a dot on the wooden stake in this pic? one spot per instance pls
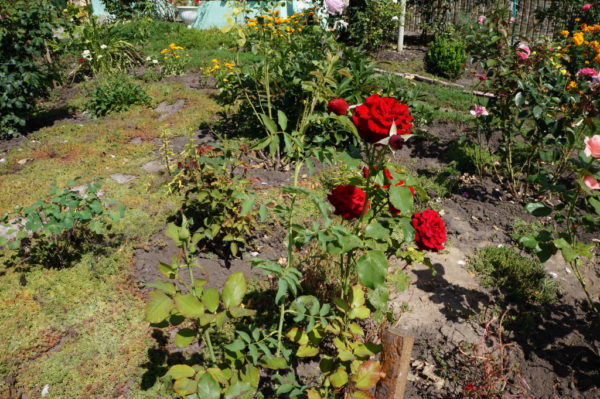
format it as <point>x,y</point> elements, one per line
<point>395,362</point>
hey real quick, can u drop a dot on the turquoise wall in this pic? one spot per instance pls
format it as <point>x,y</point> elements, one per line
<point>212,14</point>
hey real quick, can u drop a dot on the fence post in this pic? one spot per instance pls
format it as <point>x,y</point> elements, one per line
<point>397,347</point>
<point>401,27</point>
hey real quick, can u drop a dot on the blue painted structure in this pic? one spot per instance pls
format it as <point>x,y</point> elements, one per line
<point>213,13</point>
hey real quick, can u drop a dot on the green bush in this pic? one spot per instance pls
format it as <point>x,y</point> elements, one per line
<point>522,279</point>
<point>446,57</point>
<point>115,95</point>
<point>27,72</point>
<point>372,25</point>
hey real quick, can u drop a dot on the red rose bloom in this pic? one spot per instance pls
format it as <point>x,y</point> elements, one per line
<point>81,60</point>
<point>338,106</point>
<point>430,230</point>
<point>374,118</point>
<point>348,201</point>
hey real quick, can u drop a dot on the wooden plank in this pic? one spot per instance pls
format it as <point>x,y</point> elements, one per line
<point>395,363</point>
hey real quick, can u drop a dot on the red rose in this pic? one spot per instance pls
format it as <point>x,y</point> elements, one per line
<point>430,230</point>
<point>338,106</point>
<point>81,60</point>
<point>348,201</point>
<point>375,117</point>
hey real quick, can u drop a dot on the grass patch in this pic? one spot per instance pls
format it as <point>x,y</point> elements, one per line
<point>469,158</point>
<point>523,280</point>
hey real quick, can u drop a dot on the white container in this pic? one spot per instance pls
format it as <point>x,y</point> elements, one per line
<point>188,14</point>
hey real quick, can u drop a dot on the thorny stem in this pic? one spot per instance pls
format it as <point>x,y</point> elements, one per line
<point>290,256</point>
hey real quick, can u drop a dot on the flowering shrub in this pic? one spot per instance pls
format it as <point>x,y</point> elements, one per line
<point>102,51</point>
<point>174,59</point>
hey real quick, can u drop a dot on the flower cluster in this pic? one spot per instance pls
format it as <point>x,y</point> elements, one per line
<point>383,121</point>
<point>278,26</point>
<point>174,59</point>
<point>229,66</point>
<point>173,51</point>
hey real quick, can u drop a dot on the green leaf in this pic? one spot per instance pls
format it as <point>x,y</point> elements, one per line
<point>169,288</point>
<point>173,233</point>
<point>377,231</point>
<point>367,375</point>
<point>519,100</point>
<point>275,363</point>
<point>372,269</point>
<point>242,312</point>
<point>181,371</point>
<point>166,270</point>
<point>537,111</point>
<point>234,290</point>
<point>210,298</point>
<point>159,307</point>
<point>189,306</point>
<point>537,209</point>
<point>239,390</point>
<point>282,119</point>
<point>247,205</point>
<point>339,378</point>
<point>269,124</point>
<point>236,345</point>
<point>208,388</point>
<point>307,351</point>
<point>402,199</point>
<point>528,242</point>
<point>378,298</point>
<point>184,386</point>
<point>595,204</point>
<point>185,337</point>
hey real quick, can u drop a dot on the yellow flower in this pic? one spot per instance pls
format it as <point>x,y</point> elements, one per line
<point>578,38</point>
<point>571,85</point>
<point>225,80</point>
<point>179,48</point>
<point>214,60</point>
<point>251,24</point>
<point>229,65</point>
<point>187,55</point>
<point>565,33</point>
<point>165,50</point>
<point>177,56</point>
<point>172,46</point>
<point>563,71</point>
<point>276,12</point>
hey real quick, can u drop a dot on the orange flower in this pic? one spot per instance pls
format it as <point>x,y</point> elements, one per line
<point>578,38</point>
<point>571,85</point>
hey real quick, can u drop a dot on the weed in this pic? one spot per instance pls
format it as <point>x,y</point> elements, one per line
<point>522,279</point>
<point>441,182</point>
<point>114,95</point>
<point>469,157</point>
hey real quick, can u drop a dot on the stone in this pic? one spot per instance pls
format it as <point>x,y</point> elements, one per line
<point>136,140</point>
<point>121,178</point>
<point>153,166</point>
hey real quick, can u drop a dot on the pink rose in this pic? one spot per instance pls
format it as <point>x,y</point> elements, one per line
<point>334,7</point>
<point>523,52</point>
<point>512,19</point>
<point>592,146</point>
<point>480,76</point>
<point>479,110</point>
<point>481,19</point>
<point>591,183</point>
<point>587,72</point>
<point>586,7</point>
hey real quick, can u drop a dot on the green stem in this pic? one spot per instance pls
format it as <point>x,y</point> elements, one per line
<point>210,347</point>
<point>290,256</point>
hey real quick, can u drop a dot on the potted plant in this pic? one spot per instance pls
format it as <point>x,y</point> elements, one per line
<point>188,11</point>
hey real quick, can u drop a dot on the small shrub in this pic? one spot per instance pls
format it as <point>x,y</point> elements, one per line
<point>220,211</point>
<point>523,279</point>
<point>115,95</point>
<point>446,57</point>
<point>58,231</point>
<point>469,157</point>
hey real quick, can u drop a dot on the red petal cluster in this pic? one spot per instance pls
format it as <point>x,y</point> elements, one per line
<point>338,106</point>
<point>430,230</point>
<point>375,117</point>
<point>348,201</point>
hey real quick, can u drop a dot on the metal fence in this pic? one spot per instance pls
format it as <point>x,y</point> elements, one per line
<point>526,23</point>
